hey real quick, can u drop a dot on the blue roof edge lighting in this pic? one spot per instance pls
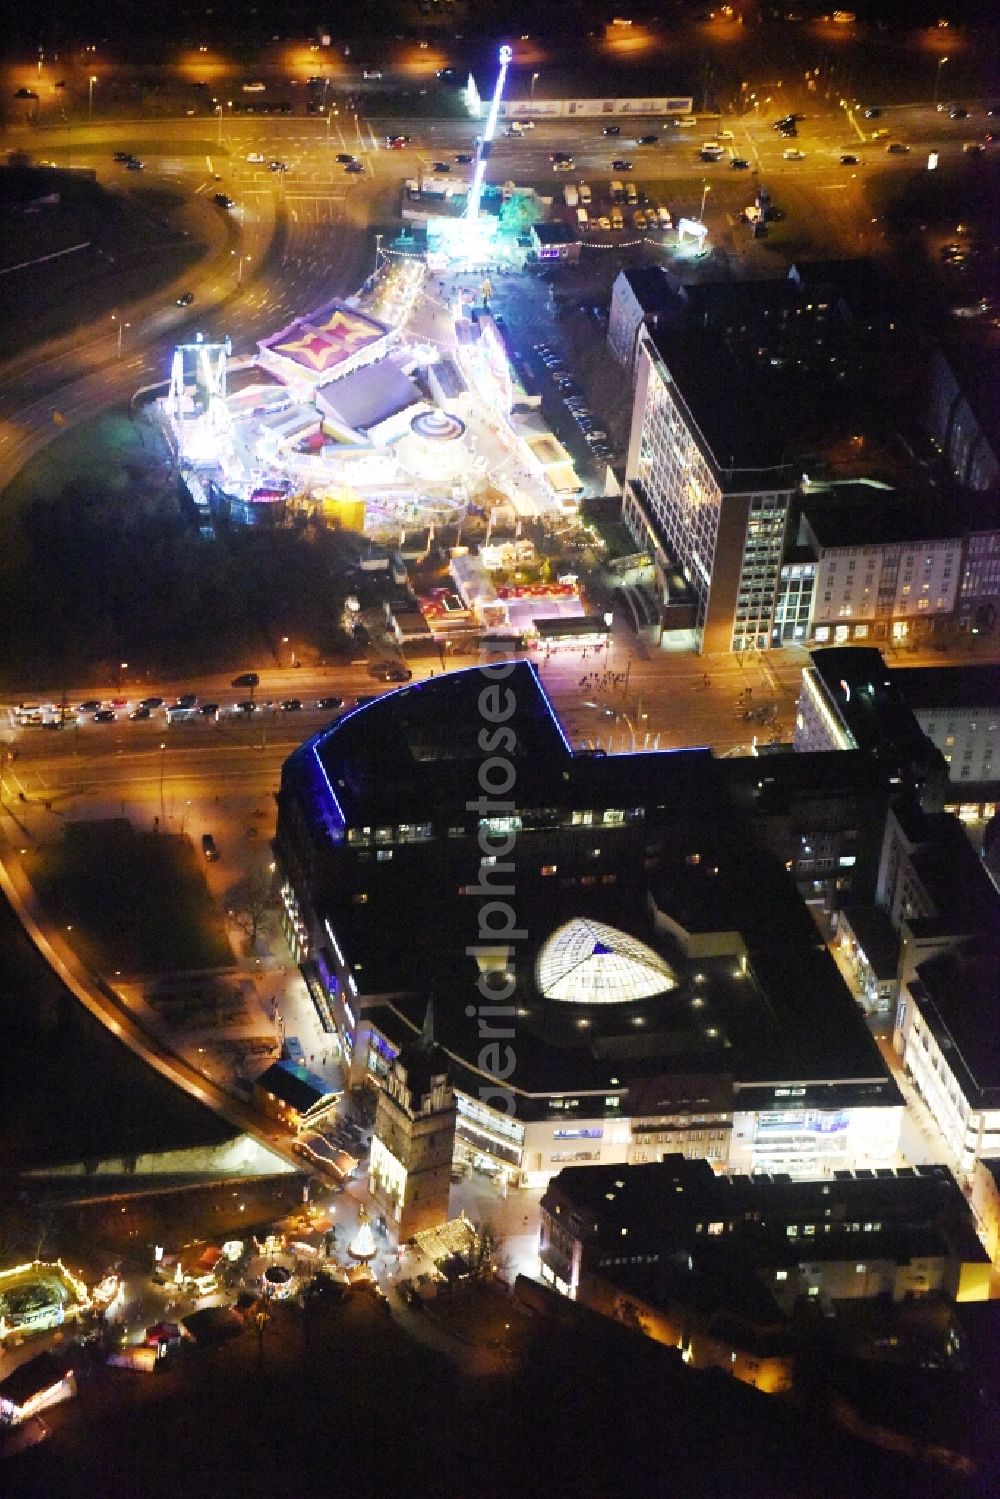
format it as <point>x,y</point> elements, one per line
<point>329,784</point>
<point>548,703</point>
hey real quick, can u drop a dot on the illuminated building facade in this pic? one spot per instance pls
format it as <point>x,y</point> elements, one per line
<point>706,487</point>
<point>413,1143</point>
<point>716,1266</point>
<point>668,989</point>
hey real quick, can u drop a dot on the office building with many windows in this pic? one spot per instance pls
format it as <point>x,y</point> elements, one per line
<point>707,485</point>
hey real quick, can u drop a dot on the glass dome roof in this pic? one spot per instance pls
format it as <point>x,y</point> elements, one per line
<point>586,962</point>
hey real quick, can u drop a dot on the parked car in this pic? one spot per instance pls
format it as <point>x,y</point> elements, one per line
<point>209,848</point>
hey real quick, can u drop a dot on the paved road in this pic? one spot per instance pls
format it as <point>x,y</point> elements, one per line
<point>298,236</point>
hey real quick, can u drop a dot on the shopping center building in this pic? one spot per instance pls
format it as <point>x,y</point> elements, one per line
<point>621,968</point>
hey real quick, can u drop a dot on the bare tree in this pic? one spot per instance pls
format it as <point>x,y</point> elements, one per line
<point>249,902</point>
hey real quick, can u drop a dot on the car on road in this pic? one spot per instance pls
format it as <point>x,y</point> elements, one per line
<point>847,160</point>
<point>140,714</point>
<point>612,130</point>
<point>441,166</point>
<point>464,158</point>
<point>134,164</point>
<point>786,122</point>
<point>209,710</point>
<point>291,705</point>
<point>187,700</point>
<point>343,157</point>
<point>185,299</point>
<point>390,673</point>
<point>648,140</point>
<point>122,156</point>
<point>25,93</point>
<point>873,112</point>
<point>255,158</point>
<point>739,164</point>
<point>897,148</point>
<point>91,705</point>
<point>621,166</point>
<point>222,200</point>
<point>209,848</point>
<point>957,112</point>
<point>330,704</point>
<point>397,142</point>
<point>105,715</point>
<point>355,167</point>
<point>246,679</point>
<point>277,166</point>
<point>364,698</point>
<point>793,154</point>
<point>151,702</point>
<point>560,156</point>
<point>973,148</point>
<point>246,706</point>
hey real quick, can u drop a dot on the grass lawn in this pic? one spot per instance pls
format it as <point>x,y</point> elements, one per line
<point>136,902</point>
<point>105,452</point>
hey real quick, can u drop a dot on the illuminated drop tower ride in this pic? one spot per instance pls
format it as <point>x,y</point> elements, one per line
<point>486,139</point>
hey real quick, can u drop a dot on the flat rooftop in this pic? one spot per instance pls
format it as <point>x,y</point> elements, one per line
<point>671,879</point>
<point>937,688</point>
<point>959,994</point>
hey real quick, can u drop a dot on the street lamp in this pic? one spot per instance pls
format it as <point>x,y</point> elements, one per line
<point>706,189</point>
<point>378,251</point>
<point>239,266</point>
<point>121,328</point>
<point>163,750</point>
<point>90,97</point>
<point>937,78</point>
<point>534,80</point>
